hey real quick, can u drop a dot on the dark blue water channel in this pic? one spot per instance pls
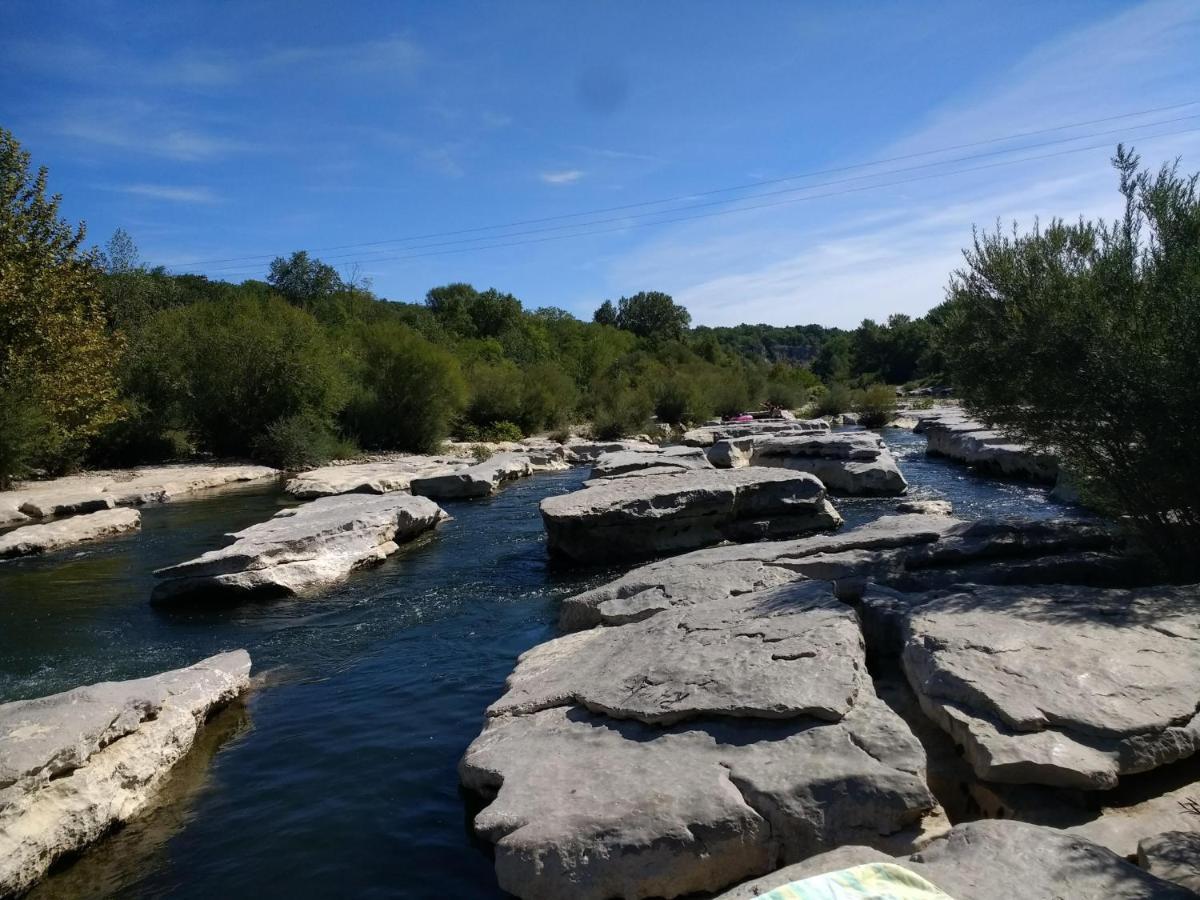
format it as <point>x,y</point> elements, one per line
<point>337,776</point>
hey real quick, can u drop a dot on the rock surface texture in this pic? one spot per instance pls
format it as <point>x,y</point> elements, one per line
<point>626,462</point>
<point>371,477</point>
<point>953,434</point>
<point>485,478</point>
<point>698,747</point>
<point>304,548</point>
<point>76,764</point>
<point>32,539</point>
<point>635,518</point>
<point>1173,856</point>
<point>578,450</point>
<point>707,435</point>
<point>997,860</point>
<point>850,462</point>
<point>133,487</point>
<point>1060,685</point>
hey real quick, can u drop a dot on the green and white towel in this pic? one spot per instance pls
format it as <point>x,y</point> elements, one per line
<point>874,881</point>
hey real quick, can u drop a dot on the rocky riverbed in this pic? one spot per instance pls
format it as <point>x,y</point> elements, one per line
<point>804,697</point>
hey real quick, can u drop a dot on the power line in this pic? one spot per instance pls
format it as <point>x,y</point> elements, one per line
<point>711,203</point>
<point>722,212</point>
<point>735,188</point>
<point>629,225</point>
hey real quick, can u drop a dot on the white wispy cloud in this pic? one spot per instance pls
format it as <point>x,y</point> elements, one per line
<point>202,196</point>
<point>840,259</point>
<point>564,176</point>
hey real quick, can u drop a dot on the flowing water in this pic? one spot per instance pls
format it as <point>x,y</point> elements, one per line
<point>336,777</point>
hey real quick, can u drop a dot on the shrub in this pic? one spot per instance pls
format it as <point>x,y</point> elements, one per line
<point>300,441</point>
<point>1085,338</point>
<point>548,398</point>
<point>836,399</point>
<point>621,412</point>
<point>876,406</point>
<point>679,399</point>
<point>481,453</point>
<point>23,435</point>
<point>409,390</point>
<point>501,431</point>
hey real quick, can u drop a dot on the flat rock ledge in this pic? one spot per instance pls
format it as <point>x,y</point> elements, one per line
<point>381,477</point>
<point>916,552</point>
<point>133,487</point>
<point>304,548</point>
<point>683,753</point>
<point>76,764</point>
<point>580,451</point>
<point>636,518</point>
<point>485,478</point>
<point>955,435</point>
<point>996,860</point>
<point>638,462</point>
<point>852,463</point>
<point>33,539</point>
<point>707,435</point>
<point>1064,685</point>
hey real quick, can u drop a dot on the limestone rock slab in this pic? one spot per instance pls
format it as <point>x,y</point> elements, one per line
<point>715,573</point>
<point>624,462</point>
<point>790,651</point>
<point>75,764</point>
<point>851,462</point>
<point>1060,685</point>
<point>484,478</point>
<point>590,807</point>
<point>304,548</point>
<point>997,860</point>
<point>635,518</point>
<point>394,474</point>
<point>33,539</point>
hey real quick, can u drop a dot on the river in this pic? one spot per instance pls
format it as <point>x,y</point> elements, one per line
<point>337,776</point>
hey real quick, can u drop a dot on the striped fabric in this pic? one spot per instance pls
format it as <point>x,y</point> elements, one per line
<point>874,881</point>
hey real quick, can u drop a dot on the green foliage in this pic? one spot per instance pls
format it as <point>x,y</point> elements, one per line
<point>893,352</point>
<point>621,410</point>
<point>481,453</point>
<point>300,441</point>
<point>303,280</point>
<point>408,390</point>
<point>833,401</point>
<point>23,435</point>
<point>876,406</point>
<point>1085,338</point>
<point>54,344</point>
<point>652,315</point>
<point>680,400</point>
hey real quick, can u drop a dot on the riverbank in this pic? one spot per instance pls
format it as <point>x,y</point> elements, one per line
<point>342,777</point>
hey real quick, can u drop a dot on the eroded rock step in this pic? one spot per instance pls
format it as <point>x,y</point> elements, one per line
<point>76,764</point>
<point>637,518</point>
<point>304,548</point>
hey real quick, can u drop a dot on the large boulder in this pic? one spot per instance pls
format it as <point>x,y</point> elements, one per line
<point>719,572</point>
<point>485,478</point>
<point>304,548</point>
<point>625,462</point>
<point>1060,685</point>
<point>77,764</point>
<point>996,860</point>
<point>698,747</point>
<point>395,474</point>
<point>32,539</point>
<point>635,518</point>
<point>849,462</point>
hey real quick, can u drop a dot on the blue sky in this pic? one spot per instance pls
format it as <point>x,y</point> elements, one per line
<point>215,131</point>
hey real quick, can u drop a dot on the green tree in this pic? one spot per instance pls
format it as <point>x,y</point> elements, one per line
<point>605,314</point>
<point>55,351</point>
<point>409,390</point>
<point>1085,338</point>
<point>652,315</point>
<point>304,280</point>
